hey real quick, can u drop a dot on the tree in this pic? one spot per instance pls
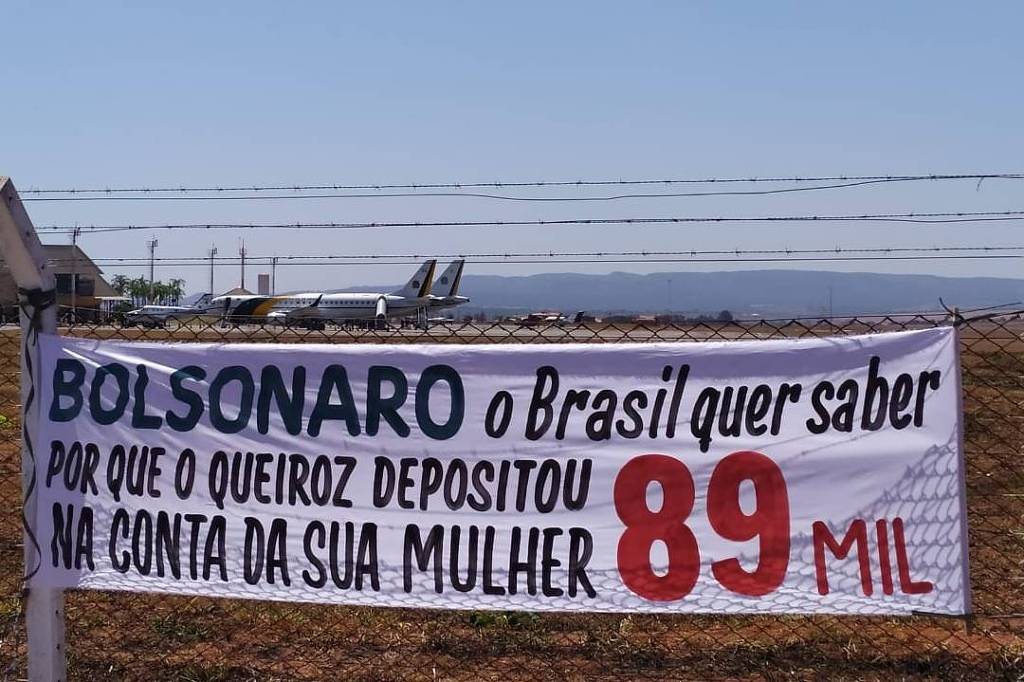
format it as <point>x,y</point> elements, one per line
<point>141,292</point>
<point>138,289</point>
<point>175,290</point>
<point>120,284</point>
<point>725,316</point>
<point>157,292</point>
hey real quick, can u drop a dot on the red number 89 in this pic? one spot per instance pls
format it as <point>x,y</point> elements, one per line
<point>769,523</point>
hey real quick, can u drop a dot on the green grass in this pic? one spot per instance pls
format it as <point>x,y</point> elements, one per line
<point>180,628</point>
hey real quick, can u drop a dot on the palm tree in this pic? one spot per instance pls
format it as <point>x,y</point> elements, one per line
<point>138,289</point>
<point>175,290</point>
<point>159,293</point>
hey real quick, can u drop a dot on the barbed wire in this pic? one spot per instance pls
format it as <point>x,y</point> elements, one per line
<point>183,189</point>
<point>115,195</point>
<point>611,261</point>
<point>922,218</point>
<point>552,253</point>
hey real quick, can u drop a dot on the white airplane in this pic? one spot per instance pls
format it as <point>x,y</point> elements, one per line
<point>313,309</point>
<point>448,295</point>
<point>158,315</point>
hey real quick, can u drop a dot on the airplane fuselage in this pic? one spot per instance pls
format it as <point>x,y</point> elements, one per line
<point>442,302</point>
<point>316,306</point>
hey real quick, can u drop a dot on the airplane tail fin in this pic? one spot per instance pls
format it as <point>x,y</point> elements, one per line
<point>451,278</point>
<point>420,283</point>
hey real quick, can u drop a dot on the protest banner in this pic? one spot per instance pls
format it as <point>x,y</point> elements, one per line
<point>818,475</point>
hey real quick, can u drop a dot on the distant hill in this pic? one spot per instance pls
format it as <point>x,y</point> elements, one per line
<point>745,293</point>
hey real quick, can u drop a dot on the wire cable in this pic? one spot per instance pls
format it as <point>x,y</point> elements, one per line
<point>183,189</point>
<point>118,195</point>
<point>645,253</point>
<point>546,261</point>
<point>919,218</point>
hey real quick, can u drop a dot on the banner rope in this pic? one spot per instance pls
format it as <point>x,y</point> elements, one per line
<point>32,303</point>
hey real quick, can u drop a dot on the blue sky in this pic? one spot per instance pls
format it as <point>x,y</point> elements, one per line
<point>194,93</point>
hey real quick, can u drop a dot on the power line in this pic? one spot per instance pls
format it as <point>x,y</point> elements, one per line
<point>644,253</point>
<point>122,195</point>
<point>183,189</point>
<point>922,218</point>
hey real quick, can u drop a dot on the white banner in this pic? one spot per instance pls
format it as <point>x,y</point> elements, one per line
<point>793,476</point>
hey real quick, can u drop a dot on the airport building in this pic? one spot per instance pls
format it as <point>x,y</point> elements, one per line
<point>79,281</point>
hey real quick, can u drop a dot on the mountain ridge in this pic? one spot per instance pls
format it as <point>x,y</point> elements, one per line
<point>743,292</point>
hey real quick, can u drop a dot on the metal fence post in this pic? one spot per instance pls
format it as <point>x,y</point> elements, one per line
<point>43,608</point>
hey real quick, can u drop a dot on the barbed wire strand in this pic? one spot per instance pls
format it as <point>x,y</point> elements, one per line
<point>563,261</point>
<point>920,218</point>
<point>548,254</point>
<point>183,189</point>
<point>116,196</point>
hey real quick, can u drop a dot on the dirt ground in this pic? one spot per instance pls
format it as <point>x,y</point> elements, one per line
<point>152,637</point>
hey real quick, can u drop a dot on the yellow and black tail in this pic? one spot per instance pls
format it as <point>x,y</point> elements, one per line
<point>419,285</point>
<point>449,280</point>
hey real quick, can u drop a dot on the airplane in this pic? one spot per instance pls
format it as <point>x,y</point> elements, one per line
<point>550,317</point>
<point>413,298</point>
<point>544,317</point>
<point>153,316</point>
<point>450,278</point>
<point>314,309</point>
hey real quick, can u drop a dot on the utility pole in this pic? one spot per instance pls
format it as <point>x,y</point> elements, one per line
<point>241,252</point>
<point>152,243</point>
<point>273,275</point>
<point>74,273</point>
<point>212,252</point>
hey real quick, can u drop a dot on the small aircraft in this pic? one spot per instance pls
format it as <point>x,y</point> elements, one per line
<point>550,317</point>
<point>542,317</point>
<point>153,316</point>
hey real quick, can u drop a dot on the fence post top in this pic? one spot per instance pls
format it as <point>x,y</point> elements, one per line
<point>19,243</point>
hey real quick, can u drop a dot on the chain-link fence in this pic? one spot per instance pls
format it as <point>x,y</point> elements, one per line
<point>157,637</point>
